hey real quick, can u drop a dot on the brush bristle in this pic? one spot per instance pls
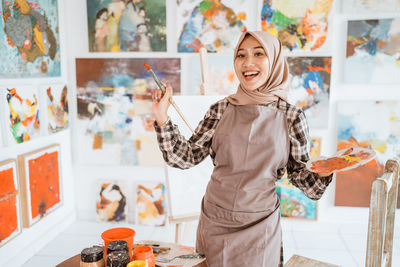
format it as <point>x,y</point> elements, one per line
<point>147,66</point>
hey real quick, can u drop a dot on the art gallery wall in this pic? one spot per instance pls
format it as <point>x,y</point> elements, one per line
<point>86,176</point>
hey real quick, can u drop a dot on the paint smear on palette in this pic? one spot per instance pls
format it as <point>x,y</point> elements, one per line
<point>150,204</point>
<point>44,184</point>
<point>57,108</point>
<point>9,203</point>
<point>23,114</point>
<point>111,205</point>
<point>29,39</point>
<point>370,124</point>
<point>373,51</point>
<point>300,25</point>
<point>214,24</point>
<point>310,87</point>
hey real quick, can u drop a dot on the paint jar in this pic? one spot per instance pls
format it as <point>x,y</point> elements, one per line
<point>92,257</point>
<point>137,264</point>
<point>118,258</point>
<point>145,253</point>
<point>117,245</point>
<point>120,233</point>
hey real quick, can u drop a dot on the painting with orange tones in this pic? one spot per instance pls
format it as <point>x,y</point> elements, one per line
<point>22,113</point>
<point>315,147</point>
<point>300,25</point>
<point>373,51</point>
<point>57,107</point>
<point>111,201</point>
<point>370,124</point>
<point>223,80</point>
<point>10,216</point>
<point>150,206</point>
<point>213,24</point>
<point>310,79</point>
<point>41,185</point>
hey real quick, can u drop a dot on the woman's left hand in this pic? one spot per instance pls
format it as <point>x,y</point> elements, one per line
<point>323,175</point>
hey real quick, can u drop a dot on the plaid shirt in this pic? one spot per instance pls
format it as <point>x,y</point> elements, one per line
<point>181,153</point>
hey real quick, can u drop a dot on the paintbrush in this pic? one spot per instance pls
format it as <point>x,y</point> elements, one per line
<point>162,87</point>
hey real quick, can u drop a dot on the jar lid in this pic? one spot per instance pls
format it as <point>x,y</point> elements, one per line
<point>117,245</point>
<point>118,258</point>
<point>92,254</point>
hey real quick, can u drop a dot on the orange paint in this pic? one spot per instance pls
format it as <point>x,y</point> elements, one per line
<point>120,233</point>
<point>8,204</point>
<point>44,183</point>
<point>145,253</point>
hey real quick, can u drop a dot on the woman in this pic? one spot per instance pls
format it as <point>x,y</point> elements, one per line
<point>252,137</point>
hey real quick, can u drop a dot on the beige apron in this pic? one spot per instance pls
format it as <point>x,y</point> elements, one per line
<point>240,220</point>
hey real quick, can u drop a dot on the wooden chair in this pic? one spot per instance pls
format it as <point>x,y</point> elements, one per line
<point>380,225</point>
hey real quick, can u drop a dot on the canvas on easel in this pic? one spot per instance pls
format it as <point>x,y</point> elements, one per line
<point>40,180</point>
<point>10,215</point>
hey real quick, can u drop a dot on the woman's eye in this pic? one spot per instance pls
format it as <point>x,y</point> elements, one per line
<point>240,56</point>
<point>259,54</point>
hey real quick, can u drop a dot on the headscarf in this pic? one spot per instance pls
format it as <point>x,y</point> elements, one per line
<point>277,84</point>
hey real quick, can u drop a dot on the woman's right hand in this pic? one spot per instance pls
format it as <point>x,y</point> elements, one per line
<point>161,104</point>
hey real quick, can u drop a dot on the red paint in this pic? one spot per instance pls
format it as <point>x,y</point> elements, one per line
<point>44,183</point>
<point>147,66</point>
<point>8,204</point>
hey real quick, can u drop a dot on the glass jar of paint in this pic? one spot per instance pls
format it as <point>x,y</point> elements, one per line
<point>118,258</point>
<point>144,253</point>
<point>137,264</point>
<point>117,245</point>
<point>92,257</point>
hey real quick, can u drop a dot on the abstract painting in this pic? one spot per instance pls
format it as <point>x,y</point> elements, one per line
<point>223,80</point>
<point>115,123</point>
<point>310,86</point>
<point>301,25</point>
<point>41,184</point>
<point>10,216</point>
<point>150,203</point>
<point>373,51</point>
<point>111,204</point>
<point>370,6</point>
<point>371,124</point>
<point>29,39</point>
<point>22,114</point>
<point>57,108</point>
<point>135,25</point>
<point>294,204</point>
<point>214,24</point>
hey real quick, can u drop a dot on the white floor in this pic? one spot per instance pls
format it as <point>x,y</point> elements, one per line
<point>340,244</point>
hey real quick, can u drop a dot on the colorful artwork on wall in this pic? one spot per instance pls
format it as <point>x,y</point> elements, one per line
<point>21,114</point>
<point>371,124</point>
<point>370,6</point>
<point>111,203</point>
<point>115,123</point>
<point>57,108</point>
<point>29,39</point>
<point>117,25</point>
<point>151,206</point>
<point>214,24</point>
<point>10,216</point>
<point>310,86</point>
<point>373,51</point>
<point>223,80</point>
<point>41,185</point>
<point>294,204</point>
<point>300,25</point>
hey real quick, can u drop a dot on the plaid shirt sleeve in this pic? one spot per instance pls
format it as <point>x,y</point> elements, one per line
<point>308,182</point>
<point>181,153</point>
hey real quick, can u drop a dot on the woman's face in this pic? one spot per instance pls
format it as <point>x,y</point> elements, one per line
<point>251,64</point>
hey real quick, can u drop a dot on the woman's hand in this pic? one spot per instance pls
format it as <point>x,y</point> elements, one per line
<point>161,104</point>
<point>323,175</point>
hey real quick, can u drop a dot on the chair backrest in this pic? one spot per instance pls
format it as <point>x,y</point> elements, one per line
<point>381,216</point>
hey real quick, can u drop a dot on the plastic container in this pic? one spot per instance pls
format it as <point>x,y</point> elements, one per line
<point>120,233</point>
<point>119,258</point>
<point>145,253</point>
<point>137,264</point>
<point>92,257</point>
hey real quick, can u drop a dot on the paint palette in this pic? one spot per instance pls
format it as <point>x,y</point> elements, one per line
<point>343,160</point>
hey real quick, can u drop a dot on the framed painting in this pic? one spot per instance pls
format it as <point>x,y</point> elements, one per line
<point>10,214</point>
<point>56,107</point>
<point>111,201</point>
<point>115,122</point>
<point>41,185</point>
<point>126,26</point>
<point>29,39</point>
<point>21,110</point>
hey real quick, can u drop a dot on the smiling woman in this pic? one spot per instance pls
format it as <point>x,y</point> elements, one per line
<point>252,136</point>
